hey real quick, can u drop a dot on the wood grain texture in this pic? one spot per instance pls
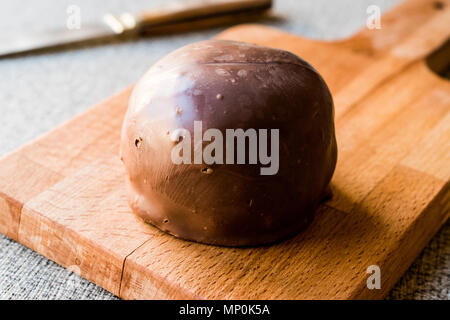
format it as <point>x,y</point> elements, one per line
<point>95,229</point>
<point>63,194</point>
<point>41,163</point>
<point>329,260</point>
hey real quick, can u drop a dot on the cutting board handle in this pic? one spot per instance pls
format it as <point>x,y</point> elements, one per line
<point>411,30</point>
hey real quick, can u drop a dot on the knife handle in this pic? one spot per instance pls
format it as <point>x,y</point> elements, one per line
<point>197,9</point>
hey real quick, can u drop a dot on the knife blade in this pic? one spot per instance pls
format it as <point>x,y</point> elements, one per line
<point>180,14</point>
<point>53,38</point>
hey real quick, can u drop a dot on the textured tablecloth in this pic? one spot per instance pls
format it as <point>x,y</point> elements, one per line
<point>39,92</point>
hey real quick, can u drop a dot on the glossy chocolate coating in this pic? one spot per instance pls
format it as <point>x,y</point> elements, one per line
<point>229,85</point>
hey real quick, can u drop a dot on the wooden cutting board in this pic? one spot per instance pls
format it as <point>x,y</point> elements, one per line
<point>62,195</point>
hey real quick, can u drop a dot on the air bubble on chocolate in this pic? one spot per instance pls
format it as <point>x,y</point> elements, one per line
<point>225,57</point>
<point>222,72</point>
<point>207,170</point>
<point>242,73</point>
<point>137,142</point>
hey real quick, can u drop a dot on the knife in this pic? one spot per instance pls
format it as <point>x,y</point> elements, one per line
<point>175,16</point>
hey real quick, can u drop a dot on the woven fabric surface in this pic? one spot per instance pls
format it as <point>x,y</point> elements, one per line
<point>38,92</point>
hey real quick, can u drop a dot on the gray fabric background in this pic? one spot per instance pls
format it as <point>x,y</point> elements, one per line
<point>39,92</point>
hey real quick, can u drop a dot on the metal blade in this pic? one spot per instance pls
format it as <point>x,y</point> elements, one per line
<point>54,38</point>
